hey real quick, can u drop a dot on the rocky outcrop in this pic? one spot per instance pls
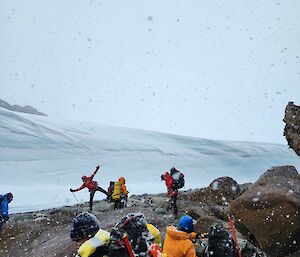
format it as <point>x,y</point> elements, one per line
<point>221,191</point>
<point>268,213</point>
<point>19,108</point>
<point>292,127</point>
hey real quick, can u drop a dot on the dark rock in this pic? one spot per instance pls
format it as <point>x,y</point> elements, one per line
<point>249,250</point>
<point>221,212</point>
<point>268,212</point>
<point>226,187</point>
<point>221,191</point>
<point>204,223</point>
<point>244,187</point>
<point>292,126</point>
<point>18,108</point>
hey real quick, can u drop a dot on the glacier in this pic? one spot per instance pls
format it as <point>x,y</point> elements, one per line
<point>41,158</point>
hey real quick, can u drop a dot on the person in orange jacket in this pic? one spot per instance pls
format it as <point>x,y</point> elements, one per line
<point>124,190</point>
<point>91,185</point>
<point>178,241</point>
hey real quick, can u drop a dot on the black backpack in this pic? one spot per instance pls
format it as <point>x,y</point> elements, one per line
<point>135,226</point>
<point>178,178</point>
<point>220,242</point>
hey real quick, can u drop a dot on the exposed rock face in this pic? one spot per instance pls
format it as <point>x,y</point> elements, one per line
<point>210,204</point>
<point>292,127</point>
<point>226,187</point>
<point>18,108</point>
<point>268,213</point>
<point>221,191</point>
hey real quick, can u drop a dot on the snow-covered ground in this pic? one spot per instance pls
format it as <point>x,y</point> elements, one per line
<point>40,159</point>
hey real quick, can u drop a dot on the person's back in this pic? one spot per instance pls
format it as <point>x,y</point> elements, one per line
<point>178,242</point>
<point>123,186</point>
<point>220,243</point>
<point>117,192</point>
<point>96,246</point>
<point>86,230</point>
<point>4,209</point>
<point>134,226</point>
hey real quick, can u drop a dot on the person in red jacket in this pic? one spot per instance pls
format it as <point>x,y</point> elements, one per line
<point>91,185</point>
<point>172,191</point>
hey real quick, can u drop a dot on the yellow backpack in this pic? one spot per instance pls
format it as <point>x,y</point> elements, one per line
<point>117,193</point>
<point>89,247</point>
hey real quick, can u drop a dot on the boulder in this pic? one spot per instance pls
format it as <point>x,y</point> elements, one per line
<point>268,213</point>
<point>225,187</point>
<point>204,218</point>
<point>292,126</point>
<point>221,191</point>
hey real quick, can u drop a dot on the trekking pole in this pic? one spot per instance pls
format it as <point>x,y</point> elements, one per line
<point>234,236</point>
<point>75,197</point>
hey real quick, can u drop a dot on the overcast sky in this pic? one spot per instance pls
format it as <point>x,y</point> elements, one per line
<point>211,69</point>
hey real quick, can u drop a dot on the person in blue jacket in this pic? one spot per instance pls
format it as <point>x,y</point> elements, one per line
<point>4,201</point>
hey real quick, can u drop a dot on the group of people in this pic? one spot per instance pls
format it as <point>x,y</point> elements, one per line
<point>132,236</point>
<point>117,191</point>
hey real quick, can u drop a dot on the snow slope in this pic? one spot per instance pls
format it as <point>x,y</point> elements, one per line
<point>40,159</point>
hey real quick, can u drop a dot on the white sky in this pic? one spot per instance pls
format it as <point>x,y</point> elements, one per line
<point>212,69</point>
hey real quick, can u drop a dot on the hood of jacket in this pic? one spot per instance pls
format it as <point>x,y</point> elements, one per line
<point>176,234</point>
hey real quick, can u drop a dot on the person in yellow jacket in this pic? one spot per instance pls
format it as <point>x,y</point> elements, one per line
<point>178,241</point>
<point>86,230</point>
<point>120,193</point>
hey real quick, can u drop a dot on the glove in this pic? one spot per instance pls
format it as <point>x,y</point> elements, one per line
<point>204,235</point>
<point>195,235</point>
<point>98,167</point>
<point>72,190</point>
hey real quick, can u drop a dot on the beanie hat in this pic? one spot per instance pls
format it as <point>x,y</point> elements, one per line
<point>85,225</point>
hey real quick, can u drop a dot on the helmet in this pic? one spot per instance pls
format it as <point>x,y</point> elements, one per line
<point>185,224</point>
<point>84,178</point>
<point>85,225</point>
<point>9,197</point>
